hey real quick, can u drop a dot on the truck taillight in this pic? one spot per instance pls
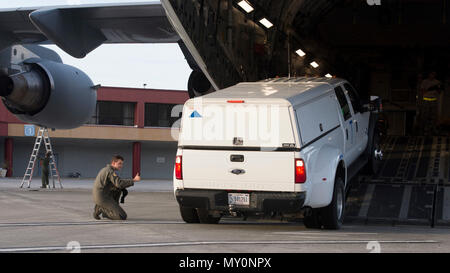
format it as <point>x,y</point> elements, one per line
<point>300,171</point>
<point>178,170</point>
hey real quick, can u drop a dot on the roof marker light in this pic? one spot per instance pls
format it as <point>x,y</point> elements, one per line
<point>266,23</point>
<point>246,6</point>
<point>235,101</point>
<point>300,53</point>
<point>314,64</point>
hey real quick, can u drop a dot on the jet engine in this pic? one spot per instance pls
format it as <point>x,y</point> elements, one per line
<point>49,94</point>
<point>198,84</point>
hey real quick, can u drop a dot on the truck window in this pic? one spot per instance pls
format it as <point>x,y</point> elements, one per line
<point>354,98</point>
<point>343,103</point>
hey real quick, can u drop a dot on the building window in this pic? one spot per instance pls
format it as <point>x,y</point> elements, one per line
<point>159,115</point>
<point>114,113</point>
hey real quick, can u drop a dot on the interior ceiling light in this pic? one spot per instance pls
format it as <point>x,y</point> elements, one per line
<point>328,75</point>
<point>300,53</point>
<point>314,64</point>
<point>246,6</point>
<point>266,23</point>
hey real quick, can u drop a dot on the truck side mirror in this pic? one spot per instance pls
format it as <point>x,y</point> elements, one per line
<point>373,105</point>
<point>365,108</point>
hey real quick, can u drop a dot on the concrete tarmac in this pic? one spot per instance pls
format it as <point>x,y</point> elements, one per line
<point>148,185</point>
<point>60,220</point>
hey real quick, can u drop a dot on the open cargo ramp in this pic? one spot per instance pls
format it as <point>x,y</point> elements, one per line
<point>413,185</point>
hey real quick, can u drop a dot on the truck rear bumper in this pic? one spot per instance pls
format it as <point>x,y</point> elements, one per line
<point>266,202</point>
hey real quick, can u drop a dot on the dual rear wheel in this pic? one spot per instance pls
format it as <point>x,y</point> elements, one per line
<point>331,216</point>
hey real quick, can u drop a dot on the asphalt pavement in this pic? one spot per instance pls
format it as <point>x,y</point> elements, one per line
<point>60,220</point>
<point>145,185</point>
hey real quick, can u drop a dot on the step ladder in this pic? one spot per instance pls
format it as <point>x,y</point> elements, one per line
<point>42,135</point>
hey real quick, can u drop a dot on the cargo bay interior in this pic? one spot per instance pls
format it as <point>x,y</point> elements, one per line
<point>389,51</point>
<point>393,49</point>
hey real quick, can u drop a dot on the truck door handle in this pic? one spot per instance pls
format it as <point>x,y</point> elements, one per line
<point>356,124</point>
<point>346,133</point>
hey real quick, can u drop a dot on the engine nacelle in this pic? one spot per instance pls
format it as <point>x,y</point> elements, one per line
<point>198,84</point>
<point>50,94</point>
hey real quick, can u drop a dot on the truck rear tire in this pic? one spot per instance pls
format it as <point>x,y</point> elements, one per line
<point>189,215</point>
<point>333,214</point>
<point>206,218</point>
<point>313,220</point>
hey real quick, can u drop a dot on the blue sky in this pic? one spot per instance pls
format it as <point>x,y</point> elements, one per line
<point>161,66</point>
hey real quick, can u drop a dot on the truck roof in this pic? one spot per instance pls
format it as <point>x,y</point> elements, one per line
<point>291,89</point>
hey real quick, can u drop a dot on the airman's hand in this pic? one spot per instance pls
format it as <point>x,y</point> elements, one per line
<point>137,178</point>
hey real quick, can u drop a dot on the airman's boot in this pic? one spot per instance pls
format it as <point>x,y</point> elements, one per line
<point>97,212</point>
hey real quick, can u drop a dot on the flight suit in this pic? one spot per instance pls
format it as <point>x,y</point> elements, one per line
<point>430,105</point>
<point>45,171</point>
<point>106,192</point>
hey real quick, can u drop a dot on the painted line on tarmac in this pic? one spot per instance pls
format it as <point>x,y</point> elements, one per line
<point>106,222</point>
<point>325,233</point>
<point>196,243</point>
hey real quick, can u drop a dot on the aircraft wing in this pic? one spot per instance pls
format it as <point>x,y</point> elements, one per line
<point>79,29</point>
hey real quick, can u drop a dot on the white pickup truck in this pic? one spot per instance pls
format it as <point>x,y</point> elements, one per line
<point>280,146</point>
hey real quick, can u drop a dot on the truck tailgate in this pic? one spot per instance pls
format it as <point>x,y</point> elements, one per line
<point>259,171</point>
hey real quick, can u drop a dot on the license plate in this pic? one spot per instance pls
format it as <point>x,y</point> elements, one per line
<point>239,199</point>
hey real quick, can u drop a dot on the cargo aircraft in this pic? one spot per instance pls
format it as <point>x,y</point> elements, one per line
<point>224,42</point>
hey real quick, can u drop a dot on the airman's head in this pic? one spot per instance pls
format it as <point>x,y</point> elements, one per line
<point>117,162</point>
<point>432,75</point>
